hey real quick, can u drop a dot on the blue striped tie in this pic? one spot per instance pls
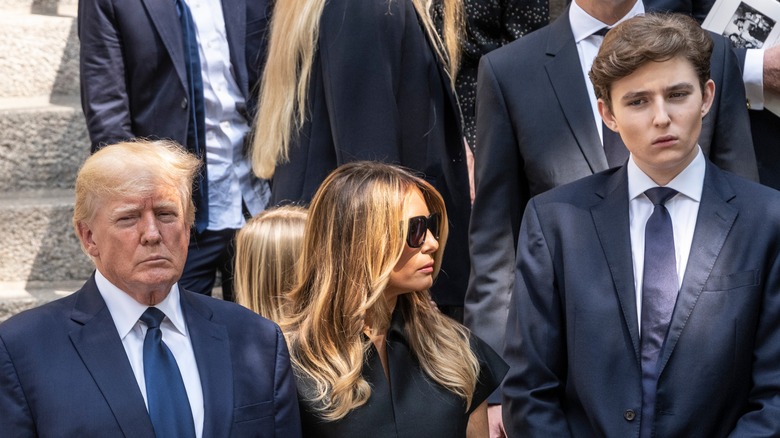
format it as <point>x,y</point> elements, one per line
<point>659,293</point>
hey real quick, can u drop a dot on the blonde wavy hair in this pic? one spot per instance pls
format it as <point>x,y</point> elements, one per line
<point>267,252</point>
<point>134,168</point>
<point>292,44</point>
<point>354,237</point>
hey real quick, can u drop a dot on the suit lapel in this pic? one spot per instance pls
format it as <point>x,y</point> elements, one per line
<point>234,12</point>
<point>612,225</point>
<point>100,347</point>
<point>168,25</point>
<point>212,352</point>
<point>713,224</point>
<point>565,75</point>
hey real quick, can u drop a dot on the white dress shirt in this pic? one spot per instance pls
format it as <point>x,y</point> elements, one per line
<point>683,209</point>
<point>125,311</point>
<point>230,175</point>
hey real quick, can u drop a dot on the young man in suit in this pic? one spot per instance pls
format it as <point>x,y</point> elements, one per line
<point>132,353</point>
<point>646,296</point>
<point>185,70</point>
<point>538,127</point>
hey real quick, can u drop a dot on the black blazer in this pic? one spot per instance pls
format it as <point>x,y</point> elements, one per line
<point>406,403</point>
<point>133,77</point>
<point>378,92</point>
<point>574,344</point>
<point>535,131</point>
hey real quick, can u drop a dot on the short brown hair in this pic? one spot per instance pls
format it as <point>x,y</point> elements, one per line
<point>645,38</point>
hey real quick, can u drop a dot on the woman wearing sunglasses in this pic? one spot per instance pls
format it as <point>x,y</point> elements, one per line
<point>371,356</point>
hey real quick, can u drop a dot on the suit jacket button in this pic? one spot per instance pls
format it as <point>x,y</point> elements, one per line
<point>629,415</point>
<point>184,103</point>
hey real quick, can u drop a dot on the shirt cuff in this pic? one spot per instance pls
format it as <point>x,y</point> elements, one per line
<point>753,76</point>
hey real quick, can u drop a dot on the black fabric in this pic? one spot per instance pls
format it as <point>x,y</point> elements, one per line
<point>378,92</point>
<point>196,128</point>
<point>411,405</point>
<point>614,148</point>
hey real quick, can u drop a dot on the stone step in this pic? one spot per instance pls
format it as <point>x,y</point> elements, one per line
<point>43,142</point>
<point>40,53</point>
<point>37,241</point>
<point>16,296</point>
<point>48,7</point>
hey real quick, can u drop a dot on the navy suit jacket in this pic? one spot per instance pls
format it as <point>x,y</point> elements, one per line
<point>535,131</point>
<point>133,73</point>
<point>64,372</point>
<point>573,337</point>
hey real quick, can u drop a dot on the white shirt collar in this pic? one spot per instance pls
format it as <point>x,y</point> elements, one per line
<point>125,311</point>
<point>583,25</point>
<point>689,182</point>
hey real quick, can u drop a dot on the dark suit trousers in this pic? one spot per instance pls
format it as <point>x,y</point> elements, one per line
<point>210,252</point>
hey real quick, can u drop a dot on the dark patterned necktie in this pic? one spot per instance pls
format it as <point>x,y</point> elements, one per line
<point>659,293</point>
<point>169,407</point>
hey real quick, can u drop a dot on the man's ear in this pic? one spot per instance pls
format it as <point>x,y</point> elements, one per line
<point>708,96</point>
<point>606,115</point>
<point>87,240</point>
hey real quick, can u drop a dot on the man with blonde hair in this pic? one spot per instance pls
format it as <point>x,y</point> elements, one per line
<point>647,296</point>
<point>131,353</point>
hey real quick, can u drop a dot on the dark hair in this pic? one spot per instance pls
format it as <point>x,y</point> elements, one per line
<point>645,38</point>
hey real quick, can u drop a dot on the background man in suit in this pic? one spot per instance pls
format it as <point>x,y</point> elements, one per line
<point>638,316</point>
<point>538,127</point>
<point>90,364</point>
<point>185,70</point>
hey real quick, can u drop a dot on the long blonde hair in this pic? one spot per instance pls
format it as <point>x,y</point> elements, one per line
<point>267,252</point>
<point>285,85</point>
<point>354,237</point>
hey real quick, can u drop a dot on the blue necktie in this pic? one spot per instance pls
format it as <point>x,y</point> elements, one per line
<point>659,293</point>
<point>196,131</point>
<point>169,407</point>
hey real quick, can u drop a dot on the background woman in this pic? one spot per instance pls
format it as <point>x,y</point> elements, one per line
<point>349,80</point>
<point>371,356</point>
<point>267,252</point>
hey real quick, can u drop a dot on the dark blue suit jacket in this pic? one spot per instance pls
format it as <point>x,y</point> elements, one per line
<point>64,372</point>
<point>573,337</point>
<point>535,131</point>
<point>133,73</point>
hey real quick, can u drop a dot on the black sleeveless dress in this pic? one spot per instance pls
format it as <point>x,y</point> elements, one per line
<point>411,404</point>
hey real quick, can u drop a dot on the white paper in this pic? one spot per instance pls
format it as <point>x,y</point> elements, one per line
<point>751,24</point>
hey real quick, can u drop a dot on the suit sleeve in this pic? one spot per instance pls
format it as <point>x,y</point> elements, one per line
<point>763,418</point>
<point>104,98</point>
<point>495,216</point>
<point>732,141</point>
<point>16,419</point>
<point>287,417</point>
<point>535,349</point>
<point>360,47</point>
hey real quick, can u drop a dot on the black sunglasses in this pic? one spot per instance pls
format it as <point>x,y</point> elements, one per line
<point>418,227</point>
